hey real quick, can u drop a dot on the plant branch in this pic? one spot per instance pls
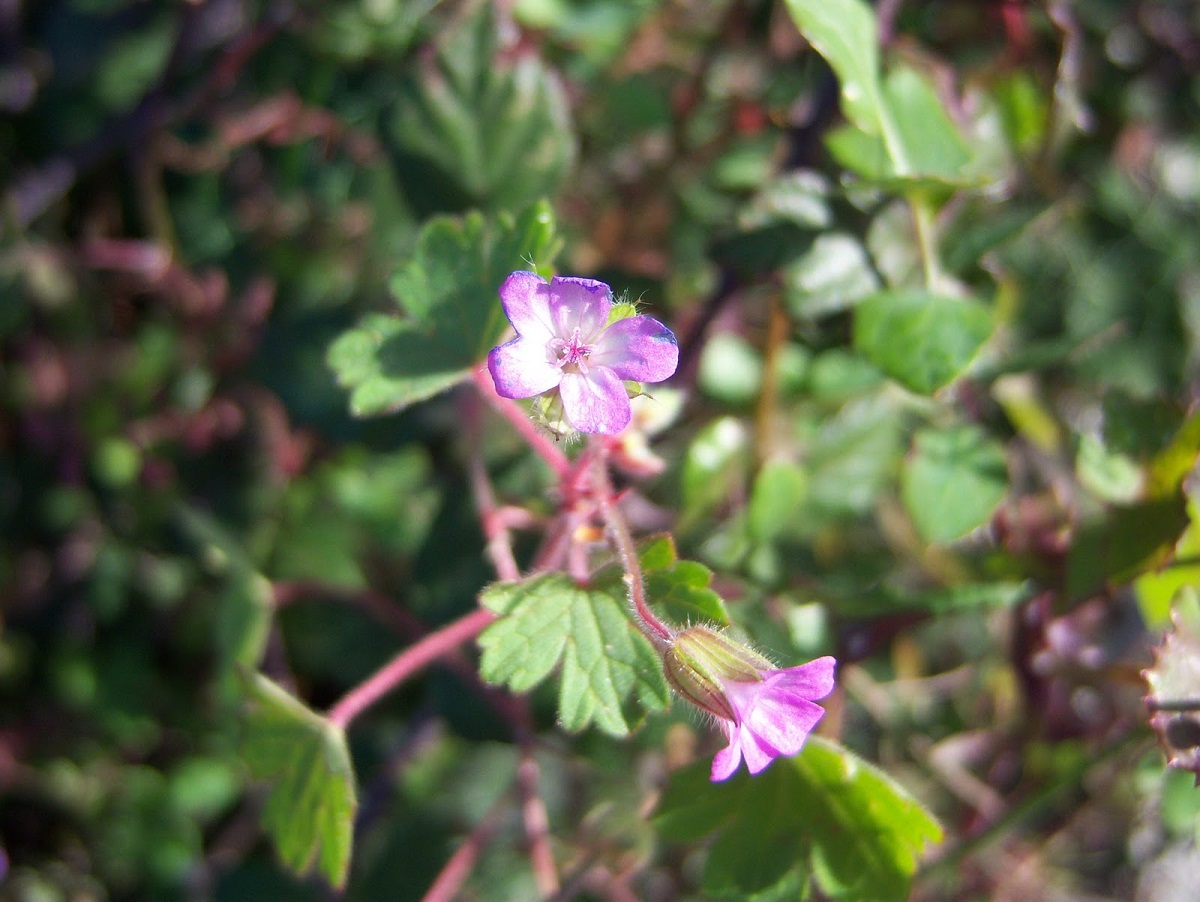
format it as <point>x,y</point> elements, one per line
<point>455,872</point>
<point>519,419</point>
<point>440,643</point>
<point>537,823</point>
<point>622,540</point>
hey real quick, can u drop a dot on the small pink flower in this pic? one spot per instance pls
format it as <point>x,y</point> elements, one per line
<point>565,342</point>
<point>772,717</point>
<point>763,711</point>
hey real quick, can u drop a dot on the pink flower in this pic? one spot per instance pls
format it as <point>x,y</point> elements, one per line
<point>565,342</point>
<point>763,711</point>
<point>773,716</point>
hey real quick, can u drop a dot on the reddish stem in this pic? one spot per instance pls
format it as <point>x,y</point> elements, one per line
<point>455,872</point>
<point>537,824</point>
<point>538,441</point>
<point>618,531</point>
<point>440,643</point>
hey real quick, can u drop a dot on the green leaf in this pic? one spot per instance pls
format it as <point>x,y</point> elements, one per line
<point>833,276</point>
<point>845,33</point>
<point>679,590</point>
<point>921,340</point>
<point>449,289</point>
<point>776,498</point>
<point>933,150</point>
<point>480,125</point>
<point>610,673</point>
<point>246,601</point>
<point>953,481</point>
<point>731,369</point>
<point>715,462</point>
<point>852,457</point>
<point>1129,540</point>
<point>309,811</point>
<point>825,813</point>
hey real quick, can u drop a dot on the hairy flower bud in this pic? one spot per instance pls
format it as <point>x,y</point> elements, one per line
<point>764,712</point>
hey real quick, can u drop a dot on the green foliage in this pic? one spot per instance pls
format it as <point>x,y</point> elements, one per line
<point>825,813</point>
<point>953,481</point>
<point>453,316</point>
<point>309,811</point>
<point>932,269</point>
<point>474,128</point>
<point>922,340</point>
<point>609,676</point>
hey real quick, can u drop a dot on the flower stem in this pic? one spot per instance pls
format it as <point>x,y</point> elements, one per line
<point>618,532</point>
<point>545,448</point>
<point>443,642</point>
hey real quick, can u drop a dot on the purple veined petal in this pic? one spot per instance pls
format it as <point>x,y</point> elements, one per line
<point>758,753</point>
<point>596,402</point>
<point>581,304</point>
<point>520,368</point>
<point>525,297</point>
<point>812,681</point>
<point>638,348</point>
<point>781,726</point>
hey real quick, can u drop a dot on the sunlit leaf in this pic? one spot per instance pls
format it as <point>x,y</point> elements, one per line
<point>610,675</point>
<point>449,291</point>
<point>922,340</point>
<point>825,814</point>
<point>479,125</point>
<point>953,481</point>
<point>309,811</point>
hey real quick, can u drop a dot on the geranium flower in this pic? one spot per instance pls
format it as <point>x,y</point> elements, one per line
<point>565,342</point>
<point>764,712</point>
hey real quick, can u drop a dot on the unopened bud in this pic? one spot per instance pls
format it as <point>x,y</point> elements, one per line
<point>701,662</point>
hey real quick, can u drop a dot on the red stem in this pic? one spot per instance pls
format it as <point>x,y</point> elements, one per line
<point>440,643</point>
<point>519,419</point>
<point>618,531</point>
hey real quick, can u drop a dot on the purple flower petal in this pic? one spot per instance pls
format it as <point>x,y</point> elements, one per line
<point>781,727</point>
<point>638,348</point>
<point>725,762</point>
<point>595,402</point>
<point>525,297</point>
<point>520,368</point>
<point>812,681</point>
<point>581,304</point>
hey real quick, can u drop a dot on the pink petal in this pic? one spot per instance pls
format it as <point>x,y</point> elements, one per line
<point>726,761</point>
<point>581,304</point>
<point>520,369</point>
<point>638,348</point>
<point>813,680</point>
<point>596,402</point>
<point>525,297</point>
<point>779,727</point>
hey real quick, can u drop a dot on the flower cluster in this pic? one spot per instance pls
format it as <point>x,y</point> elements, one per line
<point>569,346</point>
<point>763,711</point>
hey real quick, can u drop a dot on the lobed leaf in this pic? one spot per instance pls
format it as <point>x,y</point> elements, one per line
<point>825,814</point>
<point>309,810</point>
<point>480,125</point>
<point>610,675</point>
<point>448,288</point>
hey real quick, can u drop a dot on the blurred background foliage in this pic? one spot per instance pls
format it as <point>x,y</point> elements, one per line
<point>201,197</point>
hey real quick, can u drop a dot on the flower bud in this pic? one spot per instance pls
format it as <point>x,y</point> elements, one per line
<point>701,662</point>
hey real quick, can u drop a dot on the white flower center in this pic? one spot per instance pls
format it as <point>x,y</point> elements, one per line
<point>573,353</point>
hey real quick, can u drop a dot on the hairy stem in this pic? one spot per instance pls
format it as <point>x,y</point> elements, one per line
<point>622,540</point>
